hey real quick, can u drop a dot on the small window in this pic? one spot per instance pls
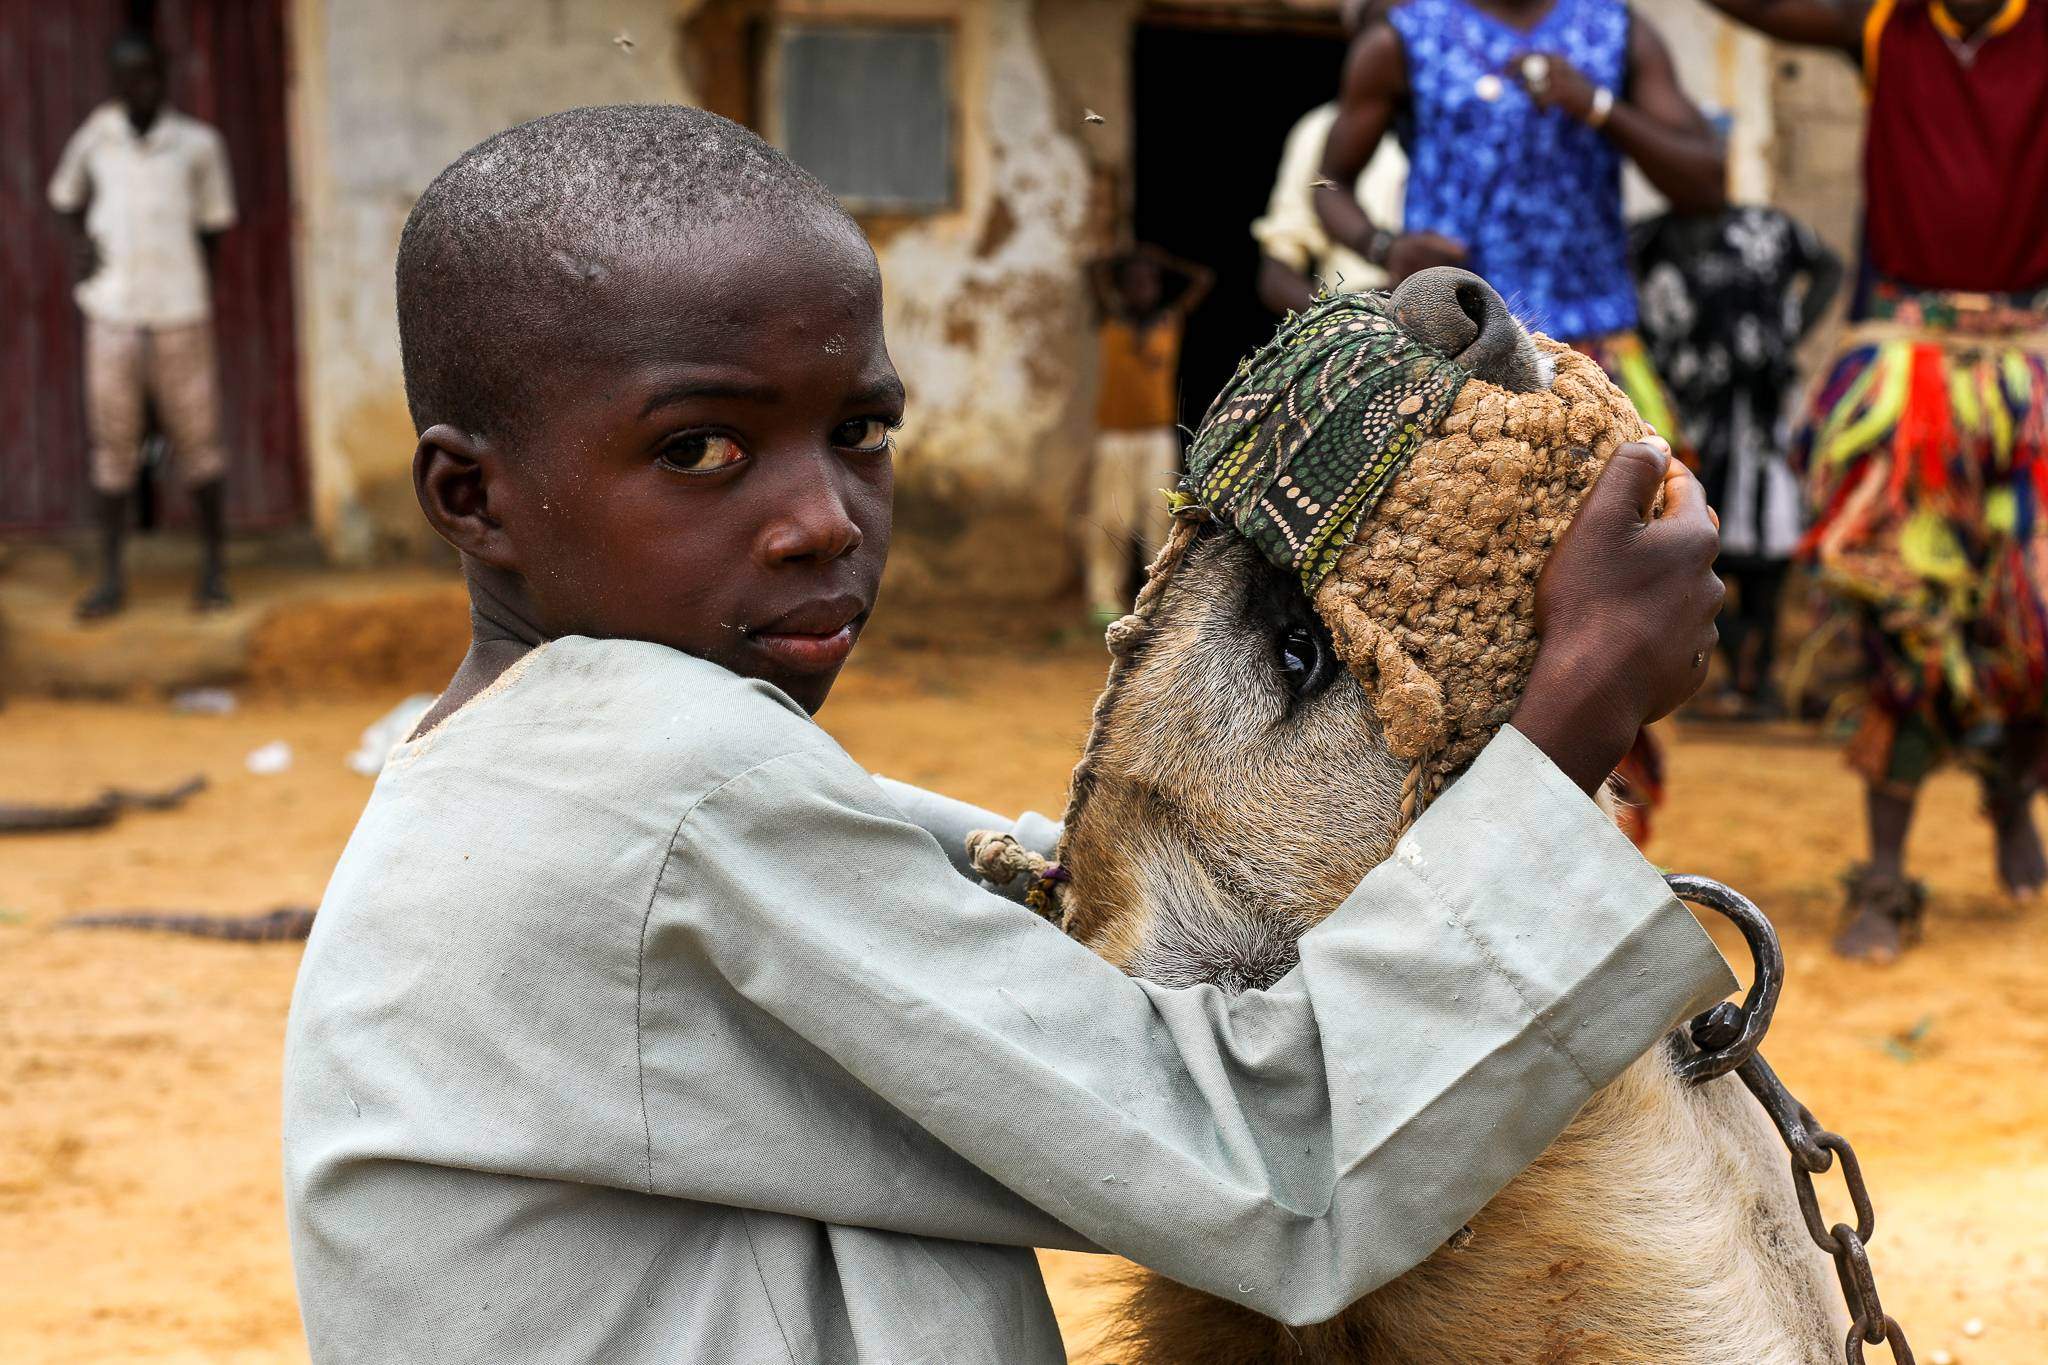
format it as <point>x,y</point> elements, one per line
<point>868,109</point>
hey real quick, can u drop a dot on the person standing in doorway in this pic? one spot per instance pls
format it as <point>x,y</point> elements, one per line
<point>1144,296</point>
<point>147,193</point>
<point>1927,442</point>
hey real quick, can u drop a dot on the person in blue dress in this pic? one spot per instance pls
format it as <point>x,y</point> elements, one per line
<point>1517,116</point>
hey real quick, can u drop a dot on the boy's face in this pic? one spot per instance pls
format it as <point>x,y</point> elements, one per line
<point>713,471</point>
<point>1142,285</point>
<point>139,85</point>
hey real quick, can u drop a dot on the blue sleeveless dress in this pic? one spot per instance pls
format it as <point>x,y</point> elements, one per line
<point>1534,195</point>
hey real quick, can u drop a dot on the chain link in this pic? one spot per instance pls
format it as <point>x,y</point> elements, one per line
<point>1728,1037</point>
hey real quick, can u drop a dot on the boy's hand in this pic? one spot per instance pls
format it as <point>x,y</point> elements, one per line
<point>85,255</point>
<point>1625,609</point>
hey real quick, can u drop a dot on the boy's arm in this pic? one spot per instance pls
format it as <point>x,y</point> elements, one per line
<point>1289,234</point>
<point>70,195</point>
<point>950,822</point>
<point>1824,272</point>
<point>834,1024</point>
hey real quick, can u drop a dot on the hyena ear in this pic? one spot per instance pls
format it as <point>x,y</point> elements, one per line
<point>1408,702</point>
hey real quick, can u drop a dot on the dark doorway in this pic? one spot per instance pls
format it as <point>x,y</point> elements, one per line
<point>227,65</point>
<point>1212,106</point>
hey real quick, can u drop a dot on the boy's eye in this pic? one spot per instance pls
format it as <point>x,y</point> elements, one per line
<point>869,435</point>
<point>702,450</point>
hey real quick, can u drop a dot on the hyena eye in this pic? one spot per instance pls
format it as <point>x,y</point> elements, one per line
<point>1305,661</point>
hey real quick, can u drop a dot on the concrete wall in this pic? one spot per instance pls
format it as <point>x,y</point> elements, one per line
<point>386,93</point>
<point>986,312</point>
<point>1817,164</point>
<point>988,324</point>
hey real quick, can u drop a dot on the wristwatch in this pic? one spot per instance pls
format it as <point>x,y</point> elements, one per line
<point>1603,105</point>
<point>1380,246</point>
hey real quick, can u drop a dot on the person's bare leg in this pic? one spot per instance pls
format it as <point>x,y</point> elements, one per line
<point>110,594</point>
<point>2009,802</point>
<point>1883,915</point>
<point>211,592</point>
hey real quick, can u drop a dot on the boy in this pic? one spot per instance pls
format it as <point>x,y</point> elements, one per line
<point>1137,413</point>
<point>640,1024</point>
<point>1297,256</point>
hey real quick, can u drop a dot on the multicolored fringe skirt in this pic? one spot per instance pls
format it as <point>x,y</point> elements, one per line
<point>1926,460</point>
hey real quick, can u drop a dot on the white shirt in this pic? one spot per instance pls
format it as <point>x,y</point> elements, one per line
<point>1293,235</point>
<point>150,196</point>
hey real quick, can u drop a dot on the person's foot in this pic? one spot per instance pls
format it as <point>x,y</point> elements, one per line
<point>2022,863</point>
<point>211,594</point>
<point>1881,917</point>
<point>103,601</point>
<point>1764,704</point>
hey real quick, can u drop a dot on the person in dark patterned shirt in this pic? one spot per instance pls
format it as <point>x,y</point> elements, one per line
<point>1725,300</point>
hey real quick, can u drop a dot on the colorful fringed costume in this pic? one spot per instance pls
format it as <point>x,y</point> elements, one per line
<point>1927,462</point>
<point>1926,445</point>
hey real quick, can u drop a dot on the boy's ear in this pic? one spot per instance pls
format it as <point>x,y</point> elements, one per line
<point>454,474</point>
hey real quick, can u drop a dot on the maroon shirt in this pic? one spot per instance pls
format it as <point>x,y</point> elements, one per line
<point>1955,160</point>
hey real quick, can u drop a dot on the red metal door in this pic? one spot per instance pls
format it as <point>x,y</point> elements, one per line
<point>226,61</point>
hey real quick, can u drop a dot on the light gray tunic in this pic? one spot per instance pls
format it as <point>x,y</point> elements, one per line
<point>640,1024</point>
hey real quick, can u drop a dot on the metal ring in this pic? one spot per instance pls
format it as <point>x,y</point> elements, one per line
<point>1757,1006</point>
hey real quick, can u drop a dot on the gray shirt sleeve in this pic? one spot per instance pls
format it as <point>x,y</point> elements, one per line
<point>892,1047</point>
<point>950,822</point>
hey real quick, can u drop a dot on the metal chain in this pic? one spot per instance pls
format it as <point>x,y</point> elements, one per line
<point>1728,1036</point>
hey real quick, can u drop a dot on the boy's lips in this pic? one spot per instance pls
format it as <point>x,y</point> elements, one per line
<point>814,638</point>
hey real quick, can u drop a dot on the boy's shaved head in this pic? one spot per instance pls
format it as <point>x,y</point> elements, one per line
<point>503,255</point>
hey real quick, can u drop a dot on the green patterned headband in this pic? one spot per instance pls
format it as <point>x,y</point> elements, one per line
<point>1297,449</point>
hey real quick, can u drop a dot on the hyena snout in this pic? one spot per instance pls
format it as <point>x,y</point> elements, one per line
<point>1464,317</point>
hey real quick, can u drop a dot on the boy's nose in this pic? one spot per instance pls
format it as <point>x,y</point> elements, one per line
<point>817,527</point>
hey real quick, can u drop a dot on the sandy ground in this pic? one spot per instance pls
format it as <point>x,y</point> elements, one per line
<point>140,1216</point>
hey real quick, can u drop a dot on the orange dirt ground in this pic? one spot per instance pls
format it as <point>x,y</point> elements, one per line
<point>140,1215</point>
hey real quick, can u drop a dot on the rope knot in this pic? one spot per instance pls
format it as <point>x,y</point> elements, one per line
<point>999,860</point>
<point>1125,634</point>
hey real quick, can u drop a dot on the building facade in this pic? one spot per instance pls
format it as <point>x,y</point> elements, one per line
<point>990,147</point>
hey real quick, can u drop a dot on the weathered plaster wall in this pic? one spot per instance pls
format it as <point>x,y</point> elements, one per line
<point>1817,163</point>
<point>988,324</point>
<point>385,93</point>
<point>985,307</point>
<point>1087,47</point>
